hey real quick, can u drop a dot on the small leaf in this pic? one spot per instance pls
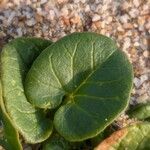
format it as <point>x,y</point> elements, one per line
<point>89,76</point>
<point>11,137</point>
<point>134,137</point>
<point>56,143</point>
<point>140,111</point>
<point>16,59</point>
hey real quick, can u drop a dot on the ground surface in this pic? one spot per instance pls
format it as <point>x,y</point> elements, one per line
<point>128,22</point>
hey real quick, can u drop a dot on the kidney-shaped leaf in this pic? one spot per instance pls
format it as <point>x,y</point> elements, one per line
<point>89,76</point>
<point>16,58</point>
<point>134,137</point>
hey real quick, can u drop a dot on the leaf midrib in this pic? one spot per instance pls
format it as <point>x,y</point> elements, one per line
<point>90,74</point>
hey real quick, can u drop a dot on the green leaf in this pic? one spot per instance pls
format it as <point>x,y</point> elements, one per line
<point>88,76</point>
<point>134,137</point>
<point>16,59</point>
<point>11,137</point>
<point>56,143</point>
<point>140,111</point>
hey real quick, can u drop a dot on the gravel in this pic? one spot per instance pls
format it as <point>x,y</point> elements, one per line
<point>126,21</point>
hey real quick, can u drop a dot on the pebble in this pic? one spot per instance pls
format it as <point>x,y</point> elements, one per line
<point>76,19</point>
<point>137,82</point>
<point>146,54</point>
<point>43,2</point>
<point>127,43</point>
<point>136,44</point>
<point>31,22</point>
<point>119,28</point>
<point>136,3</point>
<point>83,1</point>
<point>134,13</point>
<point>19,32</point>
<point>109,20</point>
<point>96,18</point>
<point>143,78</point>
<point>61,1</point>
<point>124,19</point>
<point>51,14</point>
<point>64,11</point>
<point>87,8</point>
<point>11,16</point>
<point>128,26</point>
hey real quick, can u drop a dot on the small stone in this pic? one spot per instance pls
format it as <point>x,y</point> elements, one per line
<point>96,24</point>
<point>109,20</point>
<point>147,26</point>
<point>141,28</point>
<point>127,26</point>
<point>135,25</point>
<point>136,3</point>
<point>141,20</point>
<point>39,10</point>
<point>103,31</point>
<point>146,54</point>
<point>127,43</point>
<point>76,1</point>
<point>124,19</point>
<point>103,24</point>
<point>143,78</point>
<point>134,13</point>
<point>28,2</point>
<point>64,11</point>
<point>145,9</point>
<point>83,1</point>
<point>137,82</point>
<point>38,18</point>
<point>126,5</point>
<point>136,44</point>
<point>11,16</point>
<point>66,21</point>
<point>31,22</point>
<point>43,1</point>
<point>128,33</point>
<point>119,28</point>
<point>76,19</point>
<point>104,8</point>
<point>96,18</point>
<point>3,3</point>
<point>51,14</point>
<point>87,8</point>
<point>19,31</point>
<point>61,1</point>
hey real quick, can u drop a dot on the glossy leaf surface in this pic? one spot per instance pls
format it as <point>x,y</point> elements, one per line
<point>16,59</point>
<point>88,76</point>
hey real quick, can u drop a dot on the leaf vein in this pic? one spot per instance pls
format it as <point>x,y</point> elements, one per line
<point>92,56</point>
<point>67,50</point>
<point>54,72</point>
<point>72,62</point>
<point>90,75</point>
<point>95,97</point>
